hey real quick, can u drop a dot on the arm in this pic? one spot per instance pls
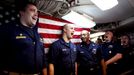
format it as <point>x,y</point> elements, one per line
<point>52,57</point>
<point>51,69</point>
<point>103,67</point>
<point>102,61</point>
<point>45,71</point>
<point>114,59</point>
<point>76,68</point>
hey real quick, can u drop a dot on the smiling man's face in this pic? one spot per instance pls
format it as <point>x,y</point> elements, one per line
<point>124,40</point>
<point>30,15</point>
<point>108,36</point>
<point>85,36</point>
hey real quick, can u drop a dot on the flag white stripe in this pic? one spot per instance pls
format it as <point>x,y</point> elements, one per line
<point>76,40</point>
<point>52,22</point>
<point>49,31</point>
<point>52,31</point>
<point>77,32</point>
<point>46,50</point>
<point>51,40</point>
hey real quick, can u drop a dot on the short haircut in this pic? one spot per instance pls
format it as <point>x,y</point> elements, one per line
<point>23,5</point>
<point>113,32</point>
<point>126,35</point>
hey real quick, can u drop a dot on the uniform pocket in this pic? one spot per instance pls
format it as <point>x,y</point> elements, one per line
<point>65,52</point>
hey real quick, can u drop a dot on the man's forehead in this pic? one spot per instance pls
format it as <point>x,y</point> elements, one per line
<point>69,26</point>
<point>31,6</point>
<point>124,37</point>
<point>108,32</point>
<point>85,32</point>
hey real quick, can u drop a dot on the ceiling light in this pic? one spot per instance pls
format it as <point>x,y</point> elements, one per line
<point>96,34</point>
<point>79,20</point>
<point>105,4</point>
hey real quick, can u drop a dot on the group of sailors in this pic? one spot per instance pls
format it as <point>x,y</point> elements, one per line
<point>22,51</point>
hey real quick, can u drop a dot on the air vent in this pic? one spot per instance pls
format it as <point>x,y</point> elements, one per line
<point>131,3</point>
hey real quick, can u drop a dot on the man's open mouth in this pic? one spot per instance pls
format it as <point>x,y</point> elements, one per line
<point>72,33</point>
<point>34,18</point>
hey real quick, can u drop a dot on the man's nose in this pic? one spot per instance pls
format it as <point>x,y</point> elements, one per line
<point>36,14</point>
<point>82,36</point>
<point>73,30</point>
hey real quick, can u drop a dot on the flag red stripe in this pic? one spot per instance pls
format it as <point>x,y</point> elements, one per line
<point>47,45</point>
<point>49,26</point>
<point>44,35</point>
<point>53,18</point>
<point>76,36</point>
<point>77,43</point>
<point>80,29</point>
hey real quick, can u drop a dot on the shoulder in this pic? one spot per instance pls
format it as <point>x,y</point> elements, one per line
<point>117,45</point>
<point>73,44</point>
<point>11,25</point>
<point>5,28</point>
<point>79,45</point>
<point>55,43</point>
<point>94,44</point>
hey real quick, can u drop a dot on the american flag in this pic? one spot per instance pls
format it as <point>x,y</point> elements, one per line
<point>7,14</point>
<point>50,29</point>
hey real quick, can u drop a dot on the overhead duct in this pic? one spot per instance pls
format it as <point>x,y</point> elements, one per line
<point>127,21</point>
<point>52,7</point>
<point>83,2</point>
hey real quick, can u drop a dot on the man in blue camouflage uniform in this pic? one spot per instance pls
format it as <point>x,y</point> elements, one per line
<point>22,51</point>
<point>112,53</point>
<point>90,61</point>
<point>62,54</point>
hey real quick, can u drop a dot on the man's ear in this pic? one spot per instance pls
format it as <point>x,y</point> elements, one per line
<point>21,13</point>
<point>64,30</point>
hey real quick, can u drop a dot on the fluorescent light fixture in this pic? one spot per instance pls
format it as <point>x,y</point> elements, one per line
<point>85,15</point>
<point>94,39</point>
<point>79,20</point>
<point>105,4</point>
<point>96,34</point>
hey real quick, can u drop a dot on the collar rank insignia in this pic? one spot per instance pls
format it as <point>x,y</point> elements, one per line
<point>110,46</point>
<point>41,40</point>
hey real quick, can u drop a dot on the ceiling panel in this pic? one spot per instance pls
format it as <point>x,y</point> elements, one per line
<point>120,12</point>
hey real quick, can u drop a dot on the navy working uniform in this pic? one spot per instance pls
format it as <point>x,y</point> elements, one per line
<point>126,63</point>
<point>110,49</point>
<point>89,58</point>
<point>21,49</point>
<point>63,56</point>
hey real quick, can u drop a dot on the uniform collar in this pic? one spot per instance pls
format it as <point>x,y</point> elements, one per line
<point>84,43</point>
<point>63,42</point>
<point>21,25</point>
<point>109,42</point>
